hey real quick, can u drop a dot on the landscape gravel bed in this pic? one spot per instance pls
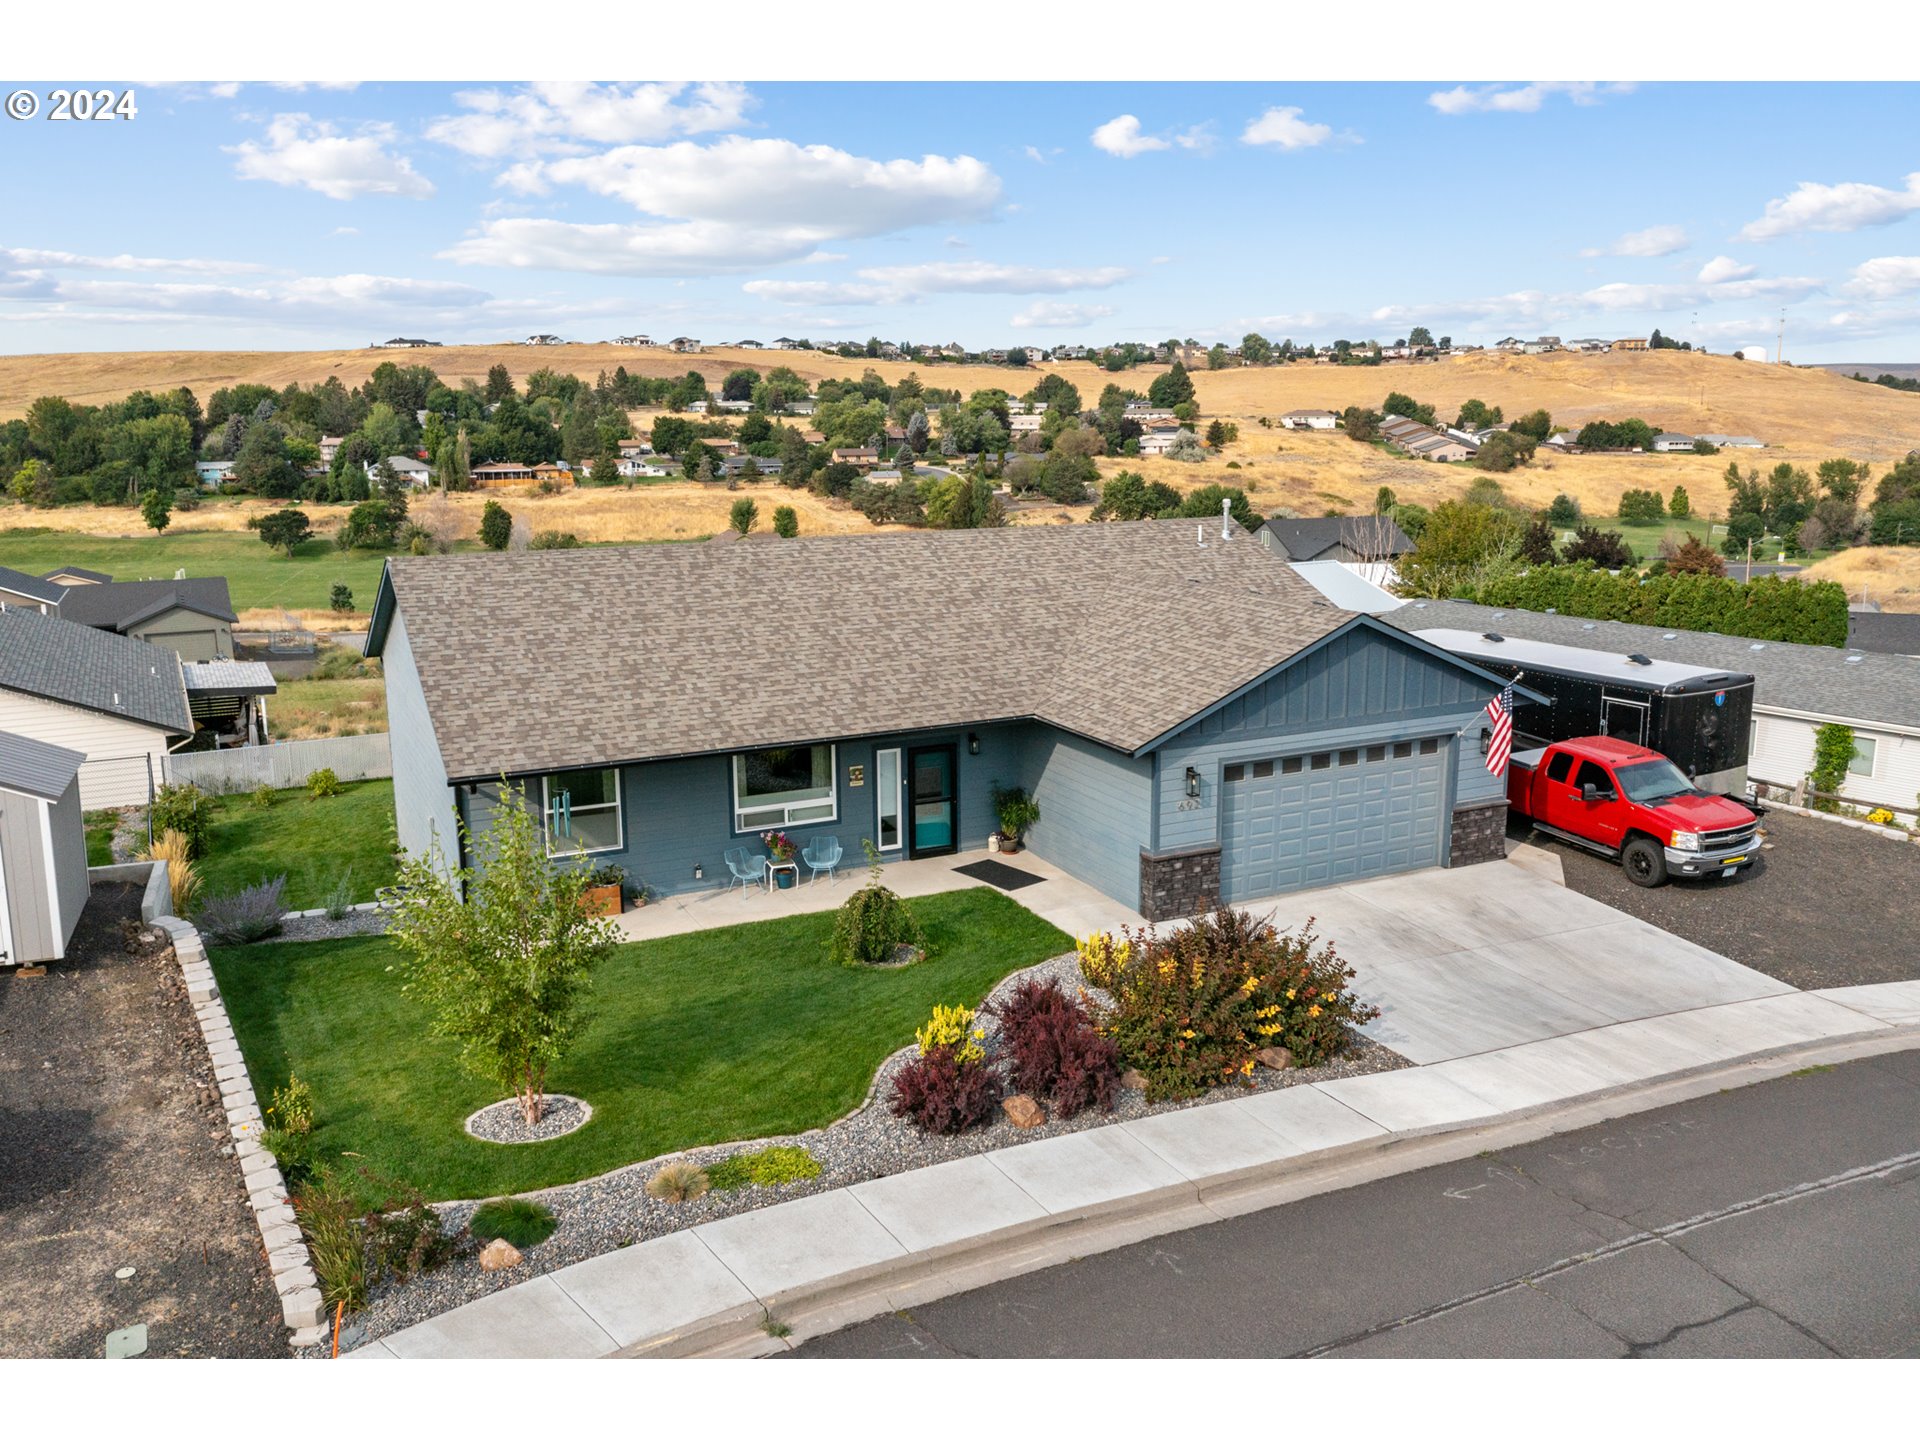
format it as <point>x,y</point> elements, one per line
<point>611,1211</point>
<point>319,927</point>
<point>501,1123</point>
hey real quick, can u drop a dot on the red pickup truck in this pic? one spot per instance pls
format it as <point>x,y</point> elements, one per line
<point>1633,805</point>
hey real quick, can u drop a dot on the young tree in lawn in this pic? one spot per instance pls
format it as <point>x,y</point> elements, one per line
<point>340,598</point>
<point>156,508</point>
<point>507,971</point>
<point>284,529</point>
<point>496,526</point>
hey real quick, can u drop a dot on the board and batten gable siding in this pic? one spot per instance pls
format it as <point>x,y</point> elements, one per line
<point>190,635</point>
<point>1361,687</point>
<point>1096,810</point>
<point>42,913</point>
<point>1782,754</point>
<point>118,751</point>
<point>422,802</point>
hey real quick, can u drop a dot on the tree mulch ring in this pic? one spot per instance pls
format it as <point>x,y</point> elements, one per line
<point>502,1124</point>
<point>900,957</point>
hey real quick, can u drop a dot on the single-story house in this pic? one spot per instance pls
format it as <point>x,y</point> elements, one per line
<point>1238,737</point>
<point>1669,442</point>
<point>415,473</point>
<point>1160,442</point>
<point>29,592</point>
<point>862,458</point>
<point>1440,447</point>
<point>1309,420</point>
<point>1797,689</point>
<point>498,474</point>
<point>43,849</point>
<point>194,618</point>
<point>119,701</point>
<point>1336,537</point>
<point>638,446</point>
<point>737,465</point>
<point>637,467</point>
<point>1025,424</point>
<point>1735,442</point>
<point>553,472</point>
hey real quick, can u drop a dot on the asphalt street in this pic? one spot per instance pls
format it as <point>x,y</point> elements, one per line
<point>1772,1221</point>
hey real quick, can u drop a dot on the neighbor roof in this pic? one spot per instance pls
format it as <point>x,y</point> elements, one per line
<point>1121,633</point>
<point>1884,632</point>
<point>1816,680</point>
<point>43,592</point>
<point>228,677</point>
<point>33,767</point>
<point>1370,534</point>
<point>93,669</point>
<point>121,603</point>
<point>96,577</point>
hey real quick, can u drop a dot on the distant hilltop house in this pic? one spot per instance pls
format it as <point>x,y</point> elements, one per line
<point>642,340</point>
<point>748,345</point>
<point>399,343</point>
<point>684,345</point>
<point>787,342</point>
<point>1669,442</point>
<point>863,459</point>
<point>542,340</point>
<point>1589,346</point>
<point>1308,420</point>
<point>1423,442</point>
<point>1635,344</point>
<point>1734,442</point>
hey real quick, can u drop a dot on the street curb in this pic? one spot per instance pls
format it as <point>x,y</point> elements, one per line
<point>981,1260</point>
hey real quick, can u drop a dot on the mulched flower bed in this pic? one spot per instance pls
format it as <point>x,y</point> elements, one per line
<point>501,1122</point>
<point>613,1210</point>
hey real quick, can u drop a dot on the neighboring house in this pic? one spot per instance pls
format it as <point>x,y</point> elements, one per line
<point>632,340</point>
<point>1309,420</point>
<point>1346,538</point>
<point>553,472</point>
<point>496,474</point>
<point>1735,442</point>
<point>737,465</point>
<point>641,446</point>
<point>192,618</point>
<point>1238,737</point>
<point>541,340</point>
<point>118,701</point>
<point>29,592</point>
<point>1883,632</point>
<point>1023,424</point>
<point>643,467</point>
<point>416,473</point>
<point>1441,447</point>
<point>402,344</point>
<point>74,575</point>
<point>43,849</point>
<point>1635,344</point>
<point>212,474</point>
<point>684,345</point>
<point>735,407</point>
<point>1797,689</point>
<point>1351,586</point>
<point>1158,442</point>
<point>330,447</point>
<point>864,459</point>
<point>1669,442</point>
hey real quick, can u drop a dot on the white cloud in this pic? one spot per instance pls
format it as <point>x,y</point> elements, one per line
<point>224,89</point>
<point>1197,137</point>
<point>1281,125</point>
<point>324,299</point>
<point>1034,154</point>
<point>1843,207</point>
<point>903,284</point>
<point>823,257</point>
<point>820,292</point>
<point>300,150</point>
<point>1885,276</point>
<point>697,247</point>
<point>1054,315</point>
<point>67,260</point>
<point>1122,136</point>
<point>1519,99</point>
<point>1723,268</point>
<point>560,117</point>
<point>1163,260</point>
<point>346,230</point>
<point>1647,244</point>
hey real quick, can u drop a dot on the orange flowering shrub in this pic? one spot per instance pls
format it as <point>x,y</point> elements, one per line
<point>1188,1009</point>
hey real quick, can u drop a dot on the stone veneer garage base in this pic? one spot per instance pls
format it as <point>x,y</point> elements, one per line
<point>1479,833</point>
<point>1179,883</point>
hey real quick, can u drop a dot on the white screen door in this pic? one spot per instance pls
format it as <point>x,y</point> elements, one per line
<point>886,795</point>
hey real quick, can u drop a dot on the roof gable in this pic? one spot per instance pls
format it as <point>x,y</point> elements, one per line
<point>56,660</point>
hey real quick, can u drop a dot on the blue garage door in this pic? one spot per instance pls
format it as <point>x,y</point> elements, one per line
<point>1300,821</point>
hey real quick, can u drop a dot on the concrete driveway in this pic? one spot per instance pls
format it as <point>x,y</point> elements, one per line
<point>1474,959</point>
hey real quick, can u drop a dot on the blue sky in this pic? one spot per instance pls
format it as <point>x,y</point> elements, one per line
<point>280,217</point>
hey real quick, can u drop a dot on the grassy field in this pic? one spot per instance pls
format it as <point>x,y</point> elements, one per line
<point>722,1035</point>
<point>314,843</point>
<point>317,709</point>
<point>1886,573</point>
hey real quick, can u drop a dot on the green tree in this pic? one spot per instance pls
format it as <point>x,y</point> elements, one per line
<point>1564,511</point>
<point>1744,527</point>
<point>1405,405</point>
<point>1360,424</point>
<point>156,507</point>
<point>503,953</point>
<point>739,384</point>
<point>499,385</point>
<point>1477,415</point>
<point>1641,507</point>
<point>786,522</point>
<point>1535,424</point>
<point>1384,500</point>
<point>1789,499</point>
<point>1420,335</point>
<point>1217,358</point>
<point>1204,503</point>
<point>1678,505</point>
<point>496,526</point>
<point>286,529</point>
<point>1173,388</point>
<point>340,598</point>
<point>1460,547</point>
<point>1842,479</point>
<point>743,516</point>
<point>1256,349</point>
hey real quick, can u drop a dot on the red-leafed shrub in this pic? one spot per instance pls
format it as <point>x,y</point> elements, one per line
<point>1053,1049</point>
<point>945,1094</point>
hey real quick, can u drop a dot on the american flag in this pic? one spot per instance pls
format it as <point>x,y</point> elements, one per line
<point>1500,748</point>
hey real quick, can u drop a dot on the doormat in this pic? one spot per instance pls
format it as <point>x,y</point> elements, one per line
<point>1005,877</point>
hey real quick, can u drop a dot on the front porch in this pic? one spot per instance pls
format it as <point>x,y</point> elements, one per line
<point>1056,897</point>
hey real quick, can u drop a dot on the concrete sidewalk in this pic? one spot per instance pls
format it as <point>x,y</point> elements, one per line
<point>829,1260</point>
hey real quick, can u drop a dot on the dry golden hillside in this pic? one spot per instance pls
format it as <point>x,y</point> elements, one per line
<point>1805,416</point>
<point>1886,573</point>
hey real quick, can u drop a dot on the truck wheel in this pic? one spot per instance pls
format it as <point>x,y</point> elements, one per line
<point>1645,862</point>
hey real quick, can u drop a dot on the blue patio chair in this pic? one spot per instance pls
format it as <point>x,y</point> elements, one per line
<point>747,870</point>
<point>822,853</point>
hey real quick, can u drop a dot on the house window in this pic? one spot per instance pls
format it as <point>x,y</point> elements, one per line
<point>1863,752</point>
<point>787,785</point>
<point>582,811</point>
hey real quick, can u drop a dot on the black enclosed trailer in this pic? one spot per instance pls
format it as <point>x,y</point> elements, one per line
<point>1700,719</point>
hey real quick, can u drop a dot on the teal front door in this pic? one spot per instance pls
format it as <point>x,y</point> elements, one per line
<point>934,813</point>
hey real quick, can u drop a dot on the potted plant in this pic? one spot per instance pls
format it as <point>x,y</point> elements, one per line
<point>1017,814</point>
<point>605,889</point>
<point>782,848</point>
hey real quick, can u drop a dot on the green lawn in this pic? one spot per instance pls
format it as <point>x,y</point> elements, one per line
<point>100,827</point>
<point>256,576</point>
<point>721,1035</point>
<point>312,842</point>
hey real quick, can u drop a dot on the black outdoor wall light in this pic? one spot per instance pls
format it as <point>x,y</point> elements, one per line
<point>1193,783</point>
<point>973,743</point>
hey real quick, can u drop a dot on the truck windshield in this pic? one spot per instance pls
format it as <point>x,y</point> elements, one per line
<point>1651,781</point>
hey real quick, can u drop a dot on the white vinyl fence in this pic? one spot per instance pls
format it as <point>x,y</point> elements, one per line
<point>284,764</point>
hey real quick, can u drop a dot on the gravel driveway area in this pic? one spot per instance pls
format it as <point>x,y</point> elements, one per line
<point>113,1153</point>
<point>1827,904</point>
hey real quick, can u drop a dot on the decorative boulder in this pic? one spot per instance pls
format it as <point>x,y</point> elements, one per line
<point>1024,1111</point>
<point>1133,1080</point>
<point>1274,1057</point>
<point>499,1255</point>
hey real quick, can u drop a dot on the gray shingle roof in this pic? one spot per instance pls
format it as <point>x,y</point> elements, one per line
<point>545,660</point>
<point>1813,679</point>
<point>1884,632</point>
<point>1304,539</point>
<point>127,602</point>
<point>33,767</point>
<point>228,677</point>
<point>31,587</point>
<point>93,669</point>
<point>97,577</point>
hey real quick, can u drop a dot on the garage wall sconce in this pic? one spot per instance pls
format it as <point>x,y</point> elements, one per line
<point>1486,740</point>
<point>973,743</point>
<point>1193,783</point>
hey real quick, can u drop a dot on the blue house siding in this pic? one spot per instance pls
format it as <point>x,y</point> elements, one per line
<point>1096,810</point>
<point>1360,688</point>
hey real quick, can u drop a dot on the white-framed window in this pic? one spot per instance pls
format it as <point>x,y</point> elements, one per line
<point>784,785</point>
<point>582,809</point>
<point>1863,755</point>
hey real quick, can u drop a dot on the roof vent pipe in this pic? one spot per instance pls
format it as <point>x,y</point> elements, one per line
<point>1226,514</point>
<point>1200,536</point>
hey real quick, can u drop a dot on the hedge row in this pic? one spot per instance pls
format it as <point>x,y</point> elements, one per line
<point>1768,608</point>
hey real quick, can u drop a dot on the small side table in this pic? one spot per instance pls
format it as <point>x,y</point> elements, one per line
<point>774,867</point>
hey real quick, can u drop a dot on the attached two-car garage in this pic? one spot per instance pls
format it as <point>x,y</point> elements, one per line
<point>1324,817</point>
